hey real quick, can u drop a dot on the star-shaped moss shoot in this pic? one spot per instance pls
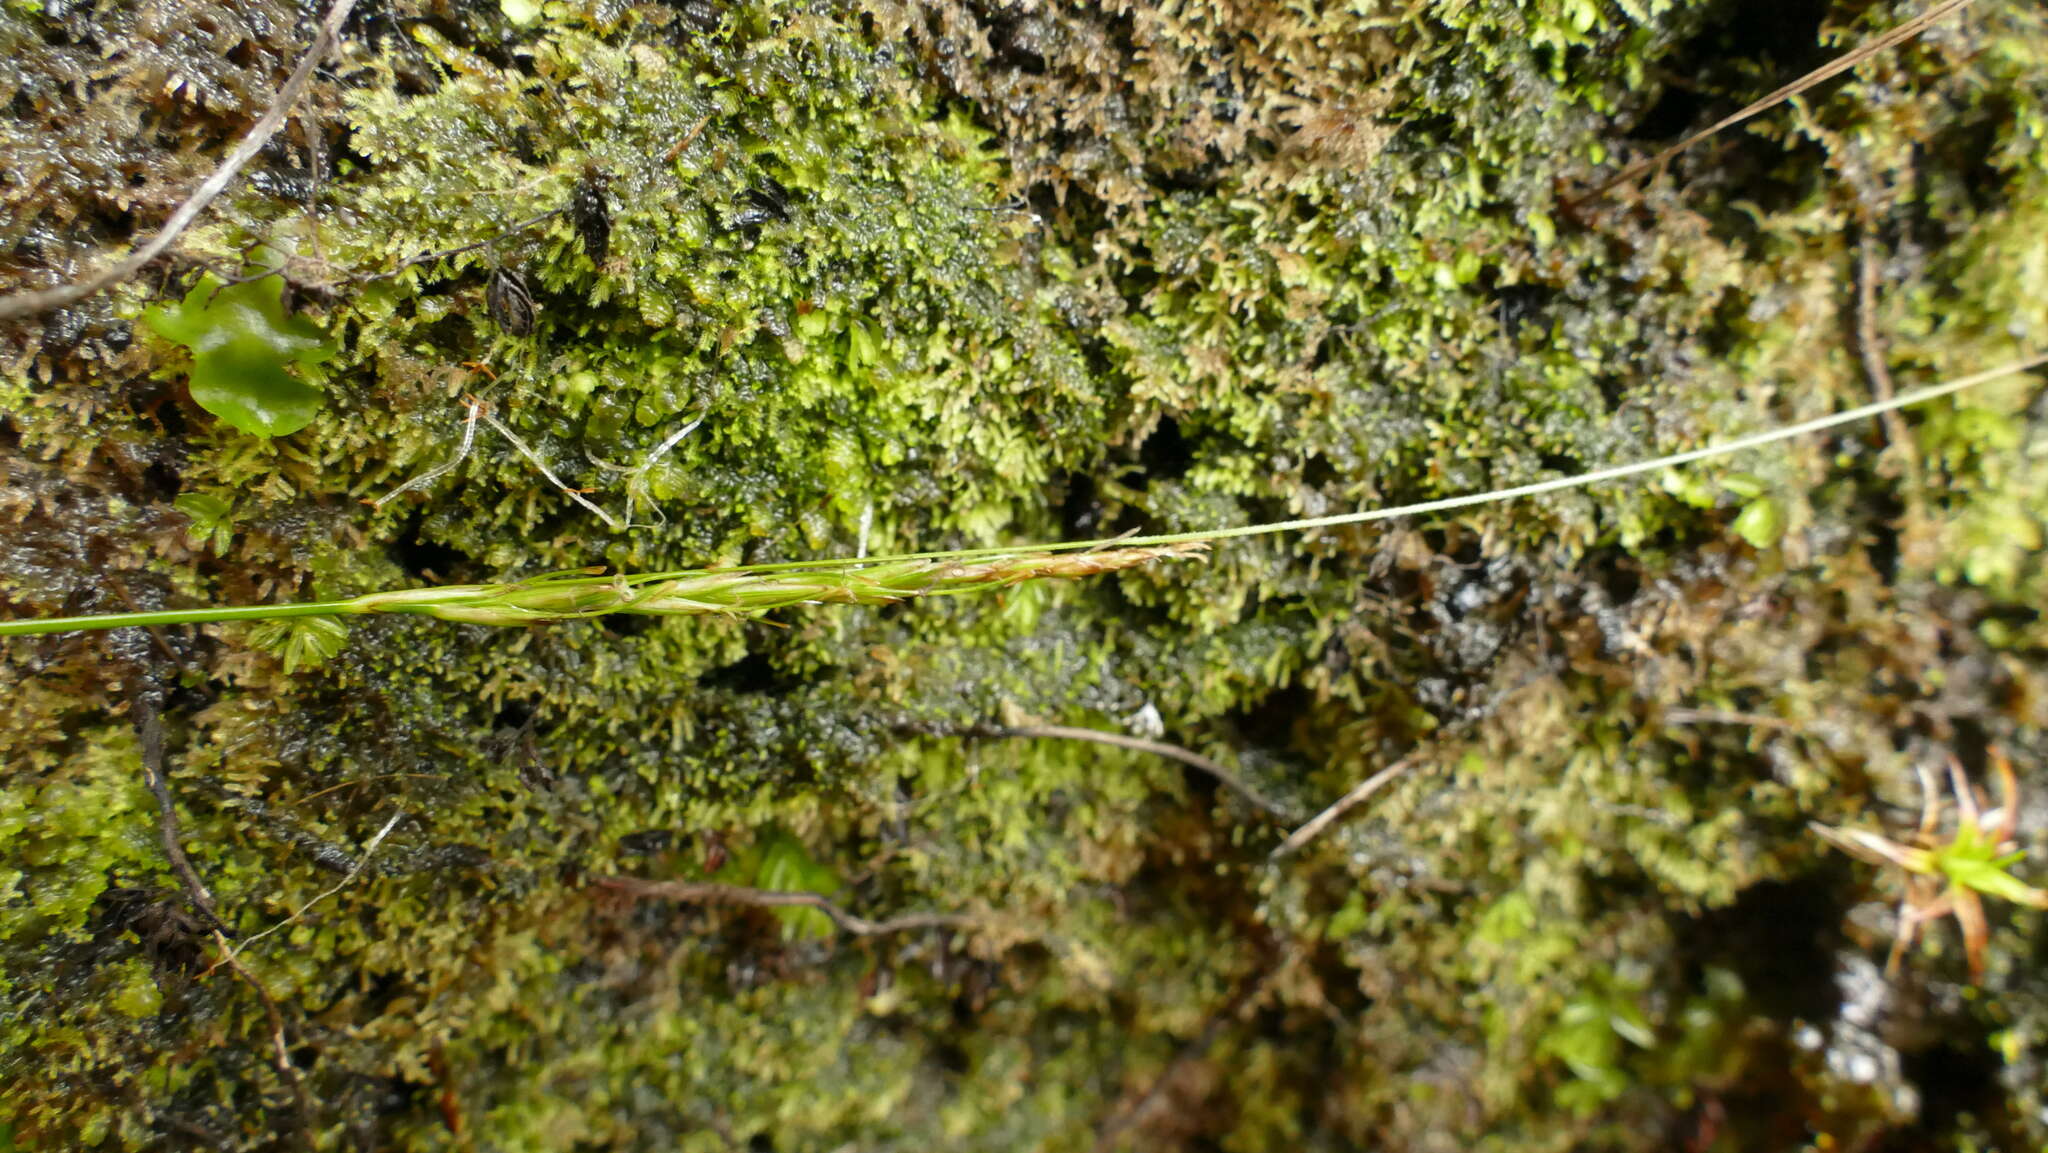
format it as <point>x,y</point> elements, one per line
<point>243,344</point>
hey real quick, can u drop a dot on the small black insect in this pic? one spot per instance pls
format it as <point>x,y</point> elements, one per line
<point>510,303</point>
<point>764,203</point>
<point>591,213</point>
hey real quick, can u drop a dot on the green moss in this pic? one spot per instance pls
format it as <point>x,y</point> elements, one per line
<point>1249,272</point>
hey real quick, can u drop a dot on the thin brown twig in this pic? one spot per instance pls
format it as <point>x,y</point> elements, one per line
<point>711,893</point>
<point>156,634</point>
<point>1870,347</point>
<point>150,732</point>
<point>221,283</point>
<point>279,1049</point>
<point>689,138</point>
<point>357,782</point>
<point>1821,75</point>
<point>43,299</point>
<point>1444,737</point>
<point>1192,759</point>
<point>1323,820</point>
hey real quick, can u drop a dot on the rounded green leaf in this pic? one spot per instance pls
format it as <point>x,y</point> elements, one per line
<point>1761,522</point>
<point>243,344</point>
<point>247,388</point>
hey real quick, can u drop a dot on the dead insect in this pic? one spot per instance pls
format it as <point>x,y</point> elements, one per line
<point>591,215</point>
<point>510,304</point>
<point>764,203</point>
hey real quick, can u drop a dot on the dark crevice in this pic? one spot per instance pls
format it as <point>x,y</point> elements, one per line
<point>513,715</point>
<point>1678,108</point>
<point>1620,580</point>
<point>1166,454</point>
<point>1743,49</point>
<point>160,480</point>
<point>1015,42</point>
<point>1780,937</point>
<point>1612,391</point>
<point>647,842</point>
<point>1270,723</point>
<point>1520,305</point>
<point>423,559</point>
<point>1782,37</point>
<point>1886,509</point>
<point>1318,473</point>
<point>626,625</point>
<point>1959,1085</point>
<point>1081,511</point>
<point>754,673</point>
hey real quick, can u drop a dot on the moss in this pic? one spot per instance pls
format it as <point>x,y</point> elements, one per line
<point>959,276</point>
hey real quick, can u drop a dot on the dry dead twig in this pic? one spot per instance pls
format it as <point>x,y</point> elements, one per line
<point>533,458</point>
<point>150,733</point>
<point>1821,75</point>
<point>1192,759</point>
<point>280,1051</point>
<point>1323,820</point>
<point>1870,347</point>
<point>476,409</point>
<point>145,697</point>
<point>369,850</point>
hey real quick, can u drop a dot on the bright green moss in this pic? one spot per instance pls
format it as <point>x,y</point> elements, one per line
<point>1342,274</point>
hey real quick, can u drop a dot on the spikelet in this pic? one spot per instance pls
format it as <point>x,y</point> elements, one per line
<point>578,593</point>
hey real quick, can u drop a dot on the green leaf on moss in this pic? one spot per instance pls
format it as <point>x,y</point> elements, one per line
<point>300,642</point>
<point>243,344</point>
<point>1761,522</point>
<point>213,519</point>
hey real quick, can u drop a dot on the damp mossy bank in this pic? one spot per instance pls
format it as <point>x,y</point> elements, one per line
<point>954,274</point>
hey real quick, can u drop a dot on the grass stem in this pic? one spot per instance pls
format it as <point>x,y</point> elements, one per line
<point>752,590</point>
